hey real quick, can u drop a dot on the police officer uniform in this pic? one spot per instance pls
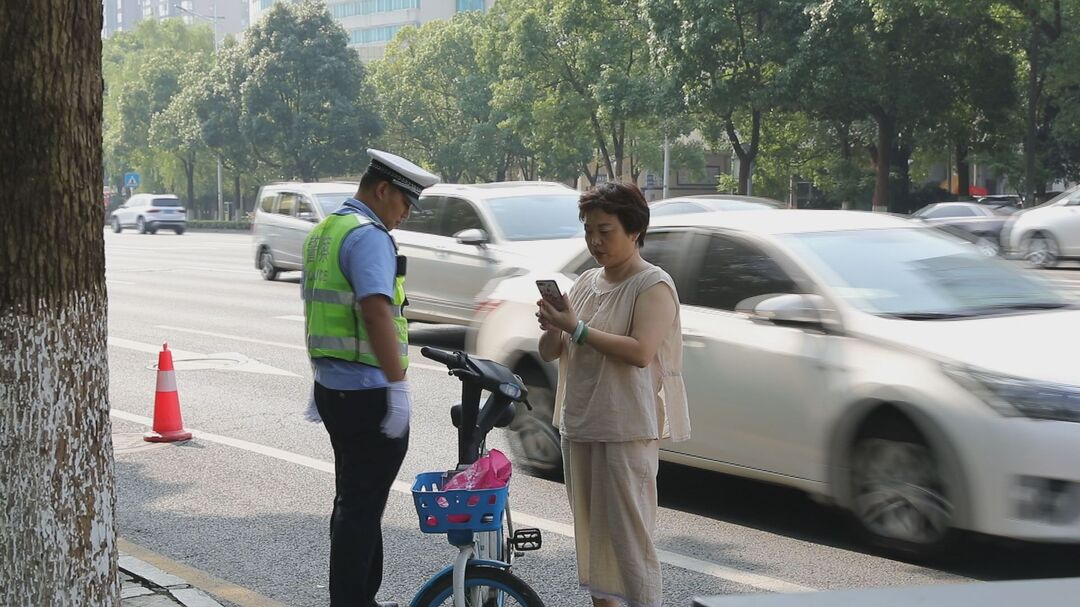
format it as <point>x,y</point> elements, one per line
<point>350,256</point>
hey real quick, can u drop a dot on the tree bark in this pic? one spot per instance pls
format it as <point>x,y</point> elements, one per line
<point>1030,135</point>
<point>963,171</point>
<point>886,136</point>
<point>57,496</point>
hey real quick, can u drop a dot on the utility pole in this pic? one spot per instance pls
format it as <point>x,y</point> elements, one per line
<point>214,20</point>
<point>667,163</point>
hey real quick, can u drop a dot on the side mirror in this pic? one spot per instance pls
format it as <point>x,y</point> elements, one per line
<point>800,311</point>
<point>308,217</point>
<point>473,236</point>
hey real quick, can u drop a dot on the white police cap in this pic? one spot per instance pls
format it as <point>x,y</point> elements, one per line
<point>410,178</point>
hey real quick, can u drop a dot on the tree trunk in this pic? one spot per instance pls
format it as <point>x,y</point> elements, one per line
<point>57,495</point>
<point>189,174</point>
<point>746,155</point>
<point>963,171</point>
<point>238,196</point>
<point>886,136</point>
<point>1030,147</point>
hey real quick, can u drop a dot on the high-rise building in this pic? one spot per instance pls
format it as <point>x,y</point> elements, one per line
<point>370,24</point>
<point>123,15</point>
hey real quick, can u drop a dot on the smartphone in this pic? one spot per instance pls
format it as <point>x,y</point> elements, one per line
<point>549,290</point>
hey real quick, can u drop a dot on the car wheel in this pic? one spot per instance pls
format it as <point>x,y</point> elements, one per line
<point>140,225</point>
<point>533,439</point>
<point>179,230</point>
<point>116,227</point>
<point>266,266</point>
<point>899,497</point>
<point>988,246</point>
<point>1042,250</point>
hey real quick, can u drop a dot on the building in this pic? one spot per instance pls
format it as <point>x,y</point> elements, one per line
<point>123,15</point>
<point>371,24</point>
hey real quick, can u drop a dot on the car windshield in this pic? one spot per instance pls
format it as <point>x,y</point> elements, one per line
<point>537,217</point>
<point>919,274</point>
<point>165,202</point>
<point>331,202</point>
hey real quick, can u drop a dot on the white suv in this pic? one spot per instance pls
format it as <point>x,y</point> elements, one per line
<point>1048,233</point>
<point>891,369</point>
<point>147,213</point>
<point>464,235</point>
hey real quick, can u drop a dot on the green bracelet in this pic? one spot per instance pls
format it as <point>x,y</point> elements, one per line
<point>584,333</point>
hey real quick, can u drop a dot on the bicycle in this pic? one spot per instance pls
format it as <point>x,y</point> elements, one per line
<point>473,519</point>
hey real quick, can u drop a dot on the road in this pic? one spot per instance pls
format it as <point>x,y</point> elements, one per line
<point>248,500</point>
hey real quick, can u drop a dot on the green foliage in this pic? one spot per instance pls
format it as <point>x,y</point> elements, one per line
<point>196,225</point>
<point>435,99</point>
<point>304,106</point>
<point>572,77</point>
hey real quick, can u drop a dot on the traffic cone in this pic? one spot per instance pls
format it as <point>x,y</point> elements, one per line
<point>168,426</point>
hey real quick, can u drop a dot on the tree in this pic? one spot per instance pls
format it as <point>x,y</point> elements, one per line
<point>57,497</point>
<point>575,66</point>
<point>891,60</point>
<point>144,71</point>
<point>727,55</point>
<point>435,100</point>
<point>304,105</point>
<point>176,131</point>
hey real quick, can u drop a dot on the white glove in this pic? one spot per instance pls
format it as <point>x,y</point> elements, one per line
<point>311,414</point>
<point>398,403</point>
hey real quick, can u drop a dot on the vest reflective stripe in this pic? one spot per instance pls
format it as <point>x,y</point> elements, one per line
<point>327,296</point>
<point>347,343</point>
<point>334,321</point>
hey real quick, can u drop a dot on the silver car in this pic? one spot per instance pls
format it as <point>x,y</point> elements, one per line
<point>463,236</point>
<point>147,213</point>
<point>285,215</point>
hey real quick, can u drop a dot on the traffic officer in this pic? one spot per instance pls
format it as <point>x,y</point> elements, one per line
<point>358,340</point>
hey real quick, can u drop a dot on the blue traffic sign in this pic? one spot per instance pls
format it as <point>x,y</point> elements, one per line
<point>131,180</point>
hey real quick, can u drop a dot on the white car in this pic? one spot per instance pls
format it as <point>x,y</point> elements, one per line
<point>890,369</point>
<point>148,213</point>
<point>1048,233</point>
<point>465,235</point>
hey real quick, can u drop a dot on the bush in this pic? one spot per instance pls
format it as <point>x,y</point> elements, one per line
<point>210,224</point>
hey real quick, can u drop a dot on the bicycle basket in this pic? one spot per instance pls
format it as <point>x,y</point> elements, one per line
<point>458,509</point>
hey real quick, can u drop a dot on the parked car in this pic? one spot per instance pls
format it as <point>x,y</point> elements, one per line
<point>464,235</point>
<point>1009,203</point>
<point>148,213</point>
<point>704,203</point>
<point>1049,233</point>
<point>890,369</point>
<point>285,214</point>
<point>979,223</point>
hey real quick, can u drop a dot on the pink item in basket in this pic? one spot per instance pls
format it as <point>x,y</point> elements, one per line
<point>489,472</point>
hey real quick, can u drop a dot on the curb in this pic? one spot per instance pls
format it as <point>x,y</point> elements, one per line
<point>160,582</point>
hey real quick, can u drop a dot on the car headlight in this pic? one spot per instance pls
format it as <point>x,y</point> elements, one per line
<point>1015,396</point>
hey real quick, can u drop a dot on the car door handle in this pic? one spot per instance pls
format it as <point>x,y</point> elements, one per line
<point>693,343</point>
<point>442,252</point>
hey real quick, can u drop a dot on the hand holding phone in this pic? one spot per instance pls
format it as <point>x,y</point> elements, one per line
<point>549,290</point>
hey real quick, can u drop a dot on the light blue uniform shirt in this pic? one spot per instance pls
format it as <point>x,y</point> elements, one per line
<point>368,260</point>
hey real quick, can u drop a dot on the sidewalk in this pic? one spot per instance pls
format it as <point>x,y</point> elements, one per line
<point>143,585</point>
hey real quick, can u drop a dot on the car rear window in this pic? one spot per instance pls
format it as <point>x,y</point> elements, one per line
<point>166,202</point>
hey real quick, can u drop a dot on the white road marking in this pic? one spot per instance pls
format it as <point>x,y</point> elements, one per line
<point>672,558</point>
<point>244,363</point>
<point>292,318</point>
<point>251,272</point>
<point>109,281</point>
<point>276,344</point>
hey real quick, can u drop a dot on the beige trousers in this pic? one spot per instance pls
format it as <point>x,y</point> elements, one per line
<point>612,491</point>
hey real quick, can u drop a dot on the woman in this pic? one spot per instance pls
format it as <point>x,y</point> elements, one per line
<point>619,344</point>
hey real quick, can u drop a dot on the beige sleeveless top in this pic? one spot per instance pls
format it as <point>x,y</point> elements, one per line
<point>605,400</point>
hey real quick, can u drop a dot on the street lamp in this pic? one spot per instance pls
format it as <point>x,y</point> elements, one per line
<point>213,19</point>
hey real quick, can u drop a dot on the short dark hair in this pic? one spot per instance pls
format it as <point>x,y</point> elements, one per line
<point>370,179</point>
<point>623,200</point>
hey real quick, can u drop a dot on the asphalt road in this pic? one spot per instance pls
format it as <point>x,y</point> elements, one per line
<point>248,500</point>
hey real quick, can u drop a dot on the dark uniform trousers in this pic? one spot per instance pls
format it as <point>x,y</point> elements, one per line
<point>366,463</point>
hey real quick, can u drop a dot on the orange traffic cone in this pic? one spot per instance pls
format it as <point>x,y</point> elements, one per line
<point>168,426</point>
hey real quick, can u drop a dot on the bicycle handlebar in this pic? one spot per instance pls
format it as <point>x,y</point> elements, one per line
<point>450,359</point>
